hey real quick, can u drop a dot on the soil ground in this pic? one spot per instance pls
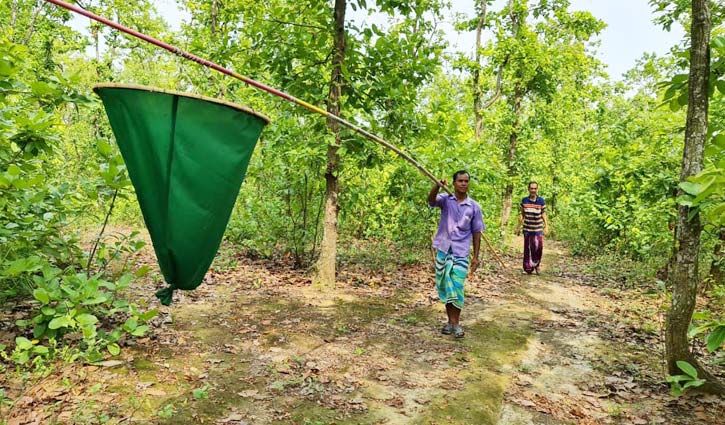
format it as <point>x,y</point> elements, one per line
<point>258,343</point>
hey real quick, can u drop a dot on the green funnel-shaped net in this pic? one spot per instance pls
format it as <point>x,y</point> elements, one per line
<point>187,157</point>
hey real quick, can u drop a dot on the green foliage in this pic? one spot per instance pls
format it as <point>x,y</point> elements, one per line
<point>607,158</point>
<point>33,209</point>
<point>40,254</point>
<point>712,328</point>
<point>624,199</point>
<point>201,393</point>
<point>705,192</point>
<point>165,412</point>
<point>88,307</point>
<point>680,383</point>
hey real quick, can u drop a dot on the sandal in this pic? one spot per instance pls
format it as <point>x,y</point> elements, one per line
<point>447,329</point>
<point>458,331</point>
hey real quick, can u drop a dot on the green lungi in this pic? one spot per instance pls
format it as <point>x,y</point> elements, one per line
<point>451,272</point>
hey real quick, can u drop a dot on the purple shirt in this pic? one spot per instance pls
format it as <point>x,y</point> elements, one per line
<point>458,224</point>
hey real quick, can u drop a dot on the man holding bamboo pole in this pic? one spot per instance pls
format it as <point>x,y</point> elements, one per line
<point>461,223</point>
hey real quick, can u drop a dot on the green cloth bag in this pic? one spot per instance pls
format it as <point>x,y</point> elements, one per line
<point>186,157</point>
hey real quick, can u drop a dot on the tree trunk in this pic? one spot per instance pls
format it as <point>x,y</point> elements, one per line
<point>554,194</point>
<point>31,30</point>
<point>477,73</point>
<point>214,16</point>
<point>14,13</point>
<point>511,156</point>
<point>328,250</point>
<point>684,278</point>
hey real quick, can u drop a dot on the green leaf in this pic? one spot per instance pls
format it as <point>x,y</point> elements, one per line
<point>693,383</point>
<point>720,84</point>
<point>130,324</point>
<point>41,295</point>
<point>86,319</point>
<point>22,358</point>
<point>141,272</point>
<point>124,281</point>
<point>683,99</point>
<point>61,322</point>
<point>99,299</point>
<point>201,393</point>
<point>149,315</point>
<point>691,188</point>
<point>104,148</point>
<point>680,79</point>
<point>39,349</point>
<point>23,265</point>
<point>716,338</point>
<point>677,378</point>
<point>687,368</point>
<point>39,330</point>
<point>719,140</point>
<point>140,331</point>
<point>40,89</point>
<point>114,349</point>
<point>23,343</point>
<point>14,170</point>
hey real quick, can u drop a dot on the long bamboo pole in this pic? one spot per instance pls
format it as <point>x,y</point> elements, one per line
<point>261,86</point>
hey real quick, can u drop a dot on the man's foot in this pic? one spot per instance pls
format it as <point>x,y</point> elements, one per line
<point>537,270</point>
<point>525,272</point>
<point>447,329</point>
<point>458,331</point>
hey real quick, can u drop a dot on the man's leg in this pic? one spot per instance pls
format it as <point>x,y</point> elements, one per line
<point>528,268</point>
<point>441,286</point>
<point>454,314</point>
<point>454,317</point>
<point>536,251</point>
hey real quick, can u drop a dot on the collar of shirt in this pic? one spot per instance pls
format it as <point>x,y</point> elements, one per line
<point>466,201</point>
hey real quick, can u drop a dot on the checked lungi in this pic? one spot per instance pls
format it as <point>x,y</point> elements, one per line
<point>451,272</point>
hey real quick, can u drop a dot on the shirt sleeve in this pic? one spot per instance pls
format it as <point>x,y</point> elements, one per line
<point>439,203</point>
<point>543,205</point>
<point>477,224</point>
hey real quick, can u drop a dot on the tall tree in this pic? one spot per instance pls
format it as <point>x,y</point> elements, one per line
<point>547,46</point>
<point>328,254</point>
<point>685,276</point>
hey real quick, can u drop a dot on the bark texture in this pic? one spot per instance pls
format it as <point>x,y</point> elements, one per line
<point>328,249</point>
<point>685,275</point>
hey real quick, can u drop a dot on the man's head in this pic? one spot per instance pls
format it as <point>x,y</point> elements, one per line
<point>533,188</point>
<point>460,181</point>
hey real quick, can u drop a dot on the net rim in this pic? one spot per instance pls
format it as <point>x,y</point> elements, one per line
<point>232,105</point>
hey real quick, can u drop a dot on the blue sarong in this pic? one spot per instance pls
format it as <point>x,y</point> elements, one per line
<point>451,272</point>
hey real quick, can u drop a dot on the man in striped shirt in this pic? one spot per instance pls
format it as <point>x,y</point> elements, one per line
<point>533,217</point>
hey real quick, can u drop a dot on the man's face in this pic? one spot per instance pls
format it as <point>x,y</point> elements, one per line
<point>533,189</point>
<point>461,183</point>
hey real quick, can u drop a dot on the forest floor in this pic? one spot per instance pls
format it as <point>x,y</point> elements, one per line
<point>258,343</point>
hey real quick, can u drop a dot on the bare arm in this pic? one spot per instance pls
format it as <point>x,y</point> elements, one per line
<point>521,220</point>
<point>546,222</point>
<point>434,192</point>
<point>476,251</point>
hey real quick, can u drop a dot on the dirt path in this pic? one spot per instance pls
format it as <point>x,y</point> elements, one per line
<point>259,345</point>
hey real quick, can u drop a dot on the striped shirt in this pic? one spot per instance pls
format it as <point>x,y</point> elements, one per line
<point>532,211</point>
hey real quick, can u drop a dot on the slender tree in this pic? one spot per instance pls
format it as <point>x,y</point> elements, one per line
<point>328,253</point>
<point>685,276</point>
